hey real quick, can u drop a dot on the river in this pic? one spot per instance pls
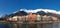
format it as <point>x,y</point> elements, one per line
<point>14,25</point>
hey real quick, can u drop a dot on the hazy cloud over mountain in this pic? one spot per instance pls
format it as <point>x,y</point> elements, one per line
<point>36,10</point>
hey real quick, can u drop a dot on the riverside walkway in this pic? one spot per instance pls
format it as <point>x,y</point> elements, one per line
<point>30,22</point>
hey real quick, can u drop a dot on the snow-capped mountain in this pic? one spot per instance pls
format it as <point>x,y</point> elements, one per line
<point>22,12</point>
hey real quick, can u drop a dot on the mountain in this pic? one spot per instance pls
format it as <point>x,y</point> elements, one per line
<point>41,13</point>
<point>22,13</point>
<point>19,13</point>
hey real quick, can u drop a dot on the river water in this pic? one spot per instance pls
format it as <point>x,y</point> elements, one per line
<point>14,25</point>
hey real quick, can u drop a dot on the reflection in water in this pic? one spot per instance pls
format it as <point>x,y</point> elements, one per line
<point>19,25</point>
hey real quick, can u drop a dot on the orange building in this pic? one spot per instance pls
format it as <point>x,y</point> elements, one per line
<point>32,17</point>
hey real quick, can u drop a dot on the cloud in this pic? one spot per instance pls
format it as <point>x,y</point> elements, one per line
<point>36,10</point>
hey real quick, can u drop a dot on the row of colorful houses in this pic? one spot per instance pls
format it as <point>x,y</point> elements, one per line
<point>33,17</point>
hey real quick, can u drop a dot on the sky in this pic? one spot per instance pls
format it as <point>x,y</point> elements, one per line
<point>10,6</point>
